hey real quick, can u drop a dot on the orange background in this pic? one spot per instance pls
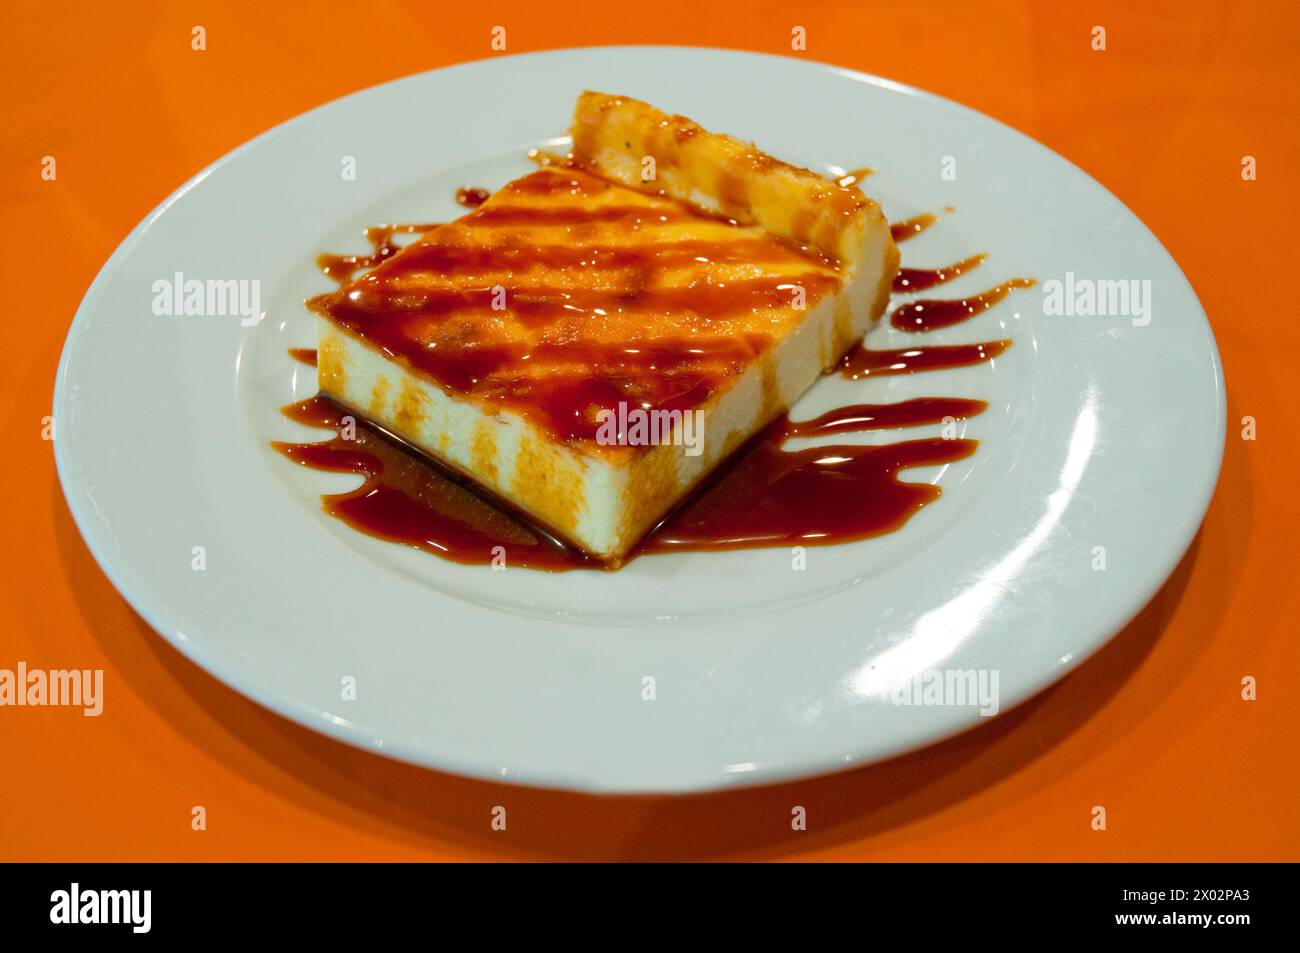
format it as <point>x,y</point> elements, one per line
<point>1153,728</point>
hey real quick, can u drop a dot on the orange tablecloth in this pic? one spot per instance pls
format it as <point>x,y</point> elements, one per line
<point>1153,728</point>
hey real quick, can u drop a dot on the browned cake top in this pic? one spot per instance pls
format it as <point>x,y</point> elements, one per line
<point>565,294</point>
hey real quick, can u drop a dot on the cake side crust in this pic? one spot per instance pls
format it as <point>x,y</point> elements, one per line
<point>642,147</point>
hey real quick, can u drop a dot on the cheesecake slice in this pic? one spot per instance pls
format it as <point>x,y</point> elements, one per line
<point>590,342</point>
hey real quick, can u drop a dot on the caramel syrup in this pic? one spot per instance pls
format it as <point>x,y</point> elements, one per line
<point>342,267</point>
<point>762,496</point>
<point>407,498</point>
<point>929,315</point>
<point>911,227</point>
<point>919,279</point>
<point>906,413</point>
<point>471,197</point>
<point>855,176</point>
<point>814,497</point>
<point>863,361</point>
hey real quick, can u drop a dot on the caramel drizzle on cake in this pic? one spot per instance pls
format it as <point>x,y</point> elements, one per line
<point>527,301</point>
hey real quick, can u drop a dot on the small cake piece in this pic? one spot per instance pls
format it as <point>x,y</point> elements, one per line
<point>598,335</point>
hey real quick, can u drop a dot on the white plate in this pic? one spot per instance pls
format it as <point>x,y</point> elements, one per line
<point>1100,433</point>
